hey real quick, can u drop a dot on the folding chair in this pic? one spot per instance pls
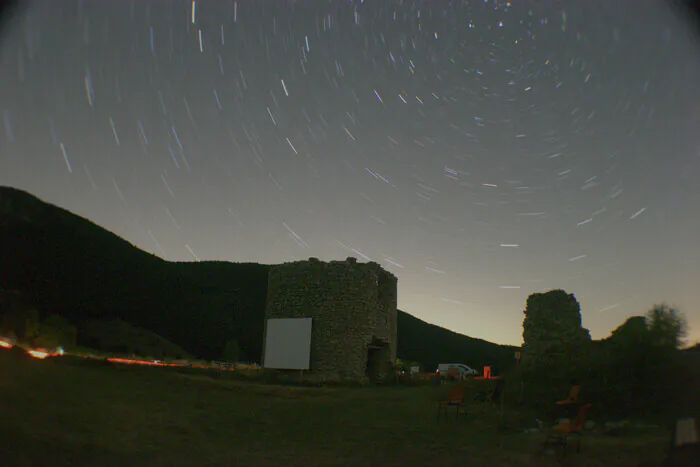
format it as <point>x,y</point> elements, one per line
<point>574,394</point>
<point>455,399</point>
<point>560,434</point>
<point>571,404</point>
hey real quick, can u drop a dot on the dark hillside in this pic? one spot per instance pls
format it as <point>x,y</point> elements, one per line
<point>67,265</point>
<point>431,345</point>
<point>64,264</point>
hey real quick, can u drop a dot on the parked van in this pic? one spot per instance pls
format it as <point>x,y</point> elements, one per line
<point>458,370</point>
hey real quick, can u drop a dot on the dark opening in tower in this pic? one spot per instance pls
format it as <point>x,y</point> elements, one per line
<point>378,361</point>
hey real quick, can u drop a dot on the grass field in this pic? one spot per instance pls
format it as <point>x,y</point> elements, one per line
<point>65,411</point>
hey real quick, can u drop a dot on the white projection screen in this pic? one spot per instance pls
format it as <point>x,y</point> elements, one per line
<point>288,344</point>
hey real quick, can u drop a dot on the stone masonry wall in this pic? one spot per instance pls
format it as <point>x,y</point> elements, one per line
<point>353,307</point>
<point>552,328</point>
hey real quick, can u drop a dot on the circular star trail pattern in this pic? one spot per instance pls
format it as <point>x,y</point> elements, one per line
<point>481,151</point>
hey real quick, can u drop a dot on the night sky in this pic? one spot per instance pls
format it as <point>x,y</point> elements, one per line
<point>481,151</point>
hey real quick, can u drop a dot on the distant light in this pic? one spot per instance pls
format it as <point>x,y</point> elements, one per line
<point>40,354</point>
<point>5,344</point>
<point>142,362</point>
<point>60,351</point>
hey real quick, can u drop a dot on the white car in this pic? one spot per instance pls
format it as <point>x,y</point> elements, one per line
<point>459,369</point>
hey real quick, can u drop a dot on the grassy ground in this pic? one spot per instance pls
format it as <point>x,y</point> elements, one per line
<point>68,412</point>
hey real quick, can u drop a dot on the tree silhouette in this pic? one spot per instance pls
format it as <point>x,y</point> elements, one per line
<point>667,326</point>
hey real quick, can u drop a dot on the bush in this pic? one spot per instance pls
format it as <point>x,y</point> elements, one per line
<point>22,322</point>
<point>55,331</point>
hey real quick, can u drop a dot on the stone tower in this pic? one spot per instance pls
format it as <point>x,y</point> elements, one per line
<point>353,306</point>
<point>552,328</point>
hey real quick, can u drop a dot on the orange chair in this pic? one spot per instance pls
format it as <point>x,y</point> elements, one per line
<point>561,433</point>
<point>574,394</point>
<point>455,399</point>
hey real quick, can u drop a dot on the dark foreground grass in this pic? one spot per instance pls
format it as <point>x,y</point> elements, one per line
<point>72,412</point>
